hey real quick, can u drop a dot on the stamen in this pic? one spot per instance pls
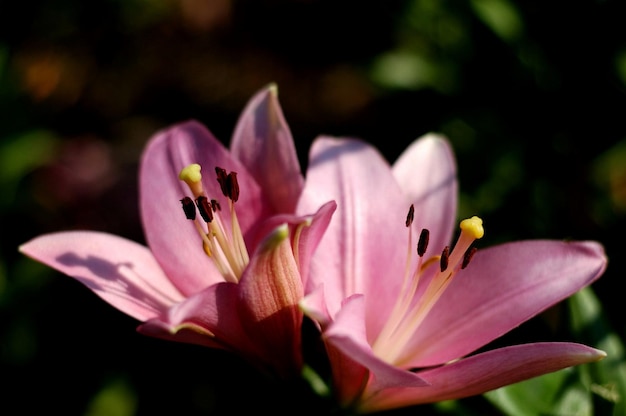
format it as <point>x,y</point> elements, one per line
<point>226,248</point>
<point>221,179</point>
<point>429,262</point>
<point>205,208</point>
<point>189,208</point>
<point>409,312</point>
<point>422,243</point>
<point>410,216</point>
<point>206,246</point>
<point>467,257</point>
<point>233,186</point>
<point>445,257</point>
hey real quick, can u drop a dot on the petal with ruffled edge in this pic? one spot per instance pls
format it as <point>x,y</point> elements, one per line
<point>484,372</point>
<point>426,172</point>
<point>171,237</point>
<point>262,141</point>
<point>363,248</point>
<point>120,271</point>
<point>502,287</point>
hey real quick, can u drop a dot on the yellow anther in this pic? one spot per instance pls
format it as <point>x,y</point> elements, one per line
<point>207,249</point>
<point>190,173</point>
<point>429,262</point>
<point>473,226</point>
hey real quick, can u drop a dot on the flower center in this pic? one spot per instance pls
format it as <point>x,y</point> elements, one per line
<point>409,312</point>
<point>222,241</point>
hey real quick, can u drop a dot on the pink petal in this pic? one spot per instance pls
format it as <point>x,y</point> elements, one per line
<point>120,271</point>
<point>263,143</point>
<point>310,238</point>
<point>501,288</point>
<point>270,290</point>
<point>364,248</point>
<point>311,230</point>
<point>485,372</point>
<point>207,318</point>
<point>173,239</point>
<point>426,171</point>
<point>314,305</point>
<point>348,334</point>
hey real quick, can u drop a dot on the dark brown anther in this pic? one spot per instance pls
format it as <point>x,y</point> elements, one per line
<point>467,257</point>
<point>222,180</point>
<point>189,208</point>
<point>422,244</point>
<point>205,208</point>
<point>410,216</point>
<point>443,261</point>
<point>215,205</point>
<point>233,186</point>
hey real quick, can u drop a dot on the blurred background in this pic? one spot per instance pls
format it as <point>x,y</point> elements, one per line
<point>532,95</point>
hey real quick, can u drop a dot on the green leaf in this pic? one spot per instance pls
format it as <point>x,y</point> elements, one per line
<point>501,16</point>
<point>116,398</point>
<point>542,396</point>
<point>597,388</point>
<point>606,378</point>
<point>19,155</point>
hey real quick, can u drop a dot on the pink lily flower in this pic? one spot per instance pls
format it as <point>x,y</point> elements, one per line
<point>225,270</point>
<point>401,308</point>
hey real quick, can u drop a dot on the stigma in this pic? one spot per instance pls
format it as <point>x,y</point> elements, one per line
<point>410,311</point>
<point>221,236</point>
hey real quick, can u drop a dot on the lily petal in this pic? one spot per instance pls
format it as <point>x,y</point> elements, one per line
<point>426,171</point>
<point>503,287</point>
<point>206,318</point>
<point>361,244</point>
<point>315,306</point>
<point>348,334</point>
<point>123,273</point>
<point>484,372</point>
<point>270,290</point>
<point>309,229</point>
<point>171,237</point>
<point>262,141</point>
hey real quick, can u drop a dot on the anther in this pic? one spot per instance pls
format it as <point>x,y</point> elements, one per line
<point>205,208</point>
<point>224,246</point>
<point>422,244</point>
<point>222,180</point>
<point>467,257</point>
<point>408,312</point>
<point>233,186</point>
<point>443,261</point>
<point>410,216</point>
<point>189,208</point>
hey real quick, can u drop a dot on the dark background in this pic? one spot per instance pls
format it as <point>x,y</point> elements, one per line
<point>532,95</point>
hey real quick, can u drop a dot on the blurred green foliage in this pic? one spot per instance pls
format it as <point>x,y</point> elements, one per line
<point>586,390</point>
<point>531,95</point>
